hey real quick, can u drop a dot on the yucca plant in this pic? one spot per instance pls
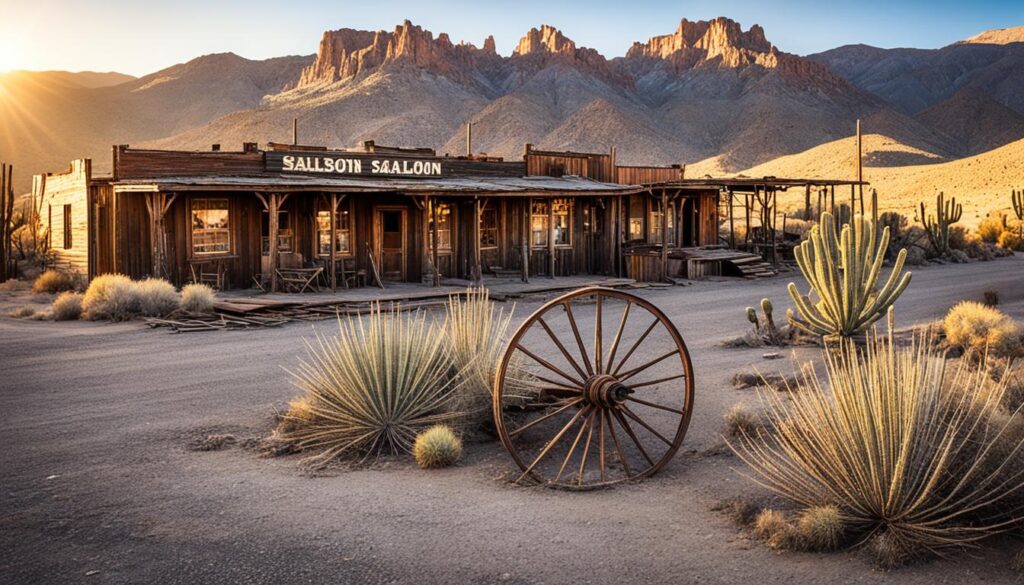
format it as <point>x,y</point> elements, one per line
<point>843,271</point>
<point>911,454</point>
<point>384,378</point>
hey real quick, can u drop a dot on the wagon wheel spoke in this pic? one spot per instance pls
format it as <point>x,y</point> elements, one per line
<point>658,381</point>
<point>600,445</point>
<point>572,448</point>
<point>545,417</point>
<point>636,344</point>
<point>586,448</point>
<point>653,362</point>
<point>618,337</point>
<point>653,405</point>
<point>597,336</point>
<point>629,431</point>
<point>565,352</point>
<point>618,446</point>
<point>547,448</point>
<point>579,340</point>
<point>625,409</point>
<point>550,366</point>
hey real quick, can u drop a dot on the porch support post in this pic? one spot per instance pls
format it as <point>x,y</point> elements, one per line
<point>433,238</point>
<point>732,223</point>
<point>551,237</point>
<point>333,269</point>
<point>807,202</point>
<point>273,210</point>
<point>526,240</point>
<point>478,275</point>
<point>157,205</point>
<point>664,235</point>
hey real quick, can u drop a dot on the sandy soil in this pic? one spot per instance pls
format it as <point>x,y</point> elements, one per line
<point>98,484</point>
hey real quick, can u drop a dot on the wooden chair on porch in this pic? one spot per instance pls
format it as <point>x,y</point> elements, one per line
<point>210,272</point>
<point>349,275</point>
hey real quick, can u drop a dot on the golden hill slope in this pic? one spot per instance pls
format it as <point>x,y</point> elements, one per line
<point>982,183</point>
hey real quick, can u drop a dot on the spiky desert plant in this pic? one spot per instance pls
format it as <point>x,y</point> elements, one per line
<point>937,227</point>
<point>475,330</point>
<point>437,446</point>
<point>1017,197</point>
<point>906,450</point>
<point>820,528</point>
<point>385,377</point>
<point>979,330</point>
<point>842,272</point>
<point>197,298</point>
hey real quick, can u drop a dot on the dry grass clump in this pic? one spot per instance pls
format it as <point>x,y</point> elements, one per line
<point>820,528</point>
<point>112,297</point>
<point>437,447</point>
<point>772,527</point>
<point>740,420</point>
<point>67,306</point>
<point>918,459</point>
<point>371,389</point>
<point>157,297</point>
<point>979,329</point>
<point>990,228</point>
<point>14,285</point>
<point>53,281</point>
<point>1011,240</point>
<point>22,312</point>
<point>197,298</point>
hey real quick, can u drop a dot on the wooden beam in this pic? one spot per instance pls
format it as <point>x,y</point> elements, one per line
<point>664,235</point>
<point>333,268</point>
<point>551,237</point>
<point>433,236</point>
<point>732,223</point>
<point>273,210</point>
<point>527,204</point>
<point>478,275</point>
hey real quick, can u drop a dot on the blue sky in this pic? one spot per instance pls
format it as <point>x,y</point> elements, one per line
<point>139,37</point>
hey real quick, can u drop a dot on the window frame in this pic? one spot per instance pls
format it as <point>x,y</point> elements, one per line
<point>443,211</point>
<point>655,217</point>
<point>569,207</point>
<point>193,229</point>
<point>493,211</point>
<point>544,217</point>
<point>323,231</point>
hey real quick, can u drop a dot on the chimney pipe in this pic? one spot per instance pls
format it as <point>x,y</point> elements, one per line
<point>469,139</point>
<point>295,131</point>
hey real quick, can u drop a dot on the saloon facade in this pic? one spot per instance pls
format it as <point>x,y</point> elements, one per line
<point>373,213</point>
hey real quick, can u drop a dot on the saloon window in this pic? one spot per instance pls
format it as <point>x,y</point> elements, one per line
<point>657,217</point>
<point>342,236</point>
<point>636,217</point>
<point>210,227</point>
<point>443,227</point>
<point>539,224</point>
<point>489,228</point>
<point>562,212</point>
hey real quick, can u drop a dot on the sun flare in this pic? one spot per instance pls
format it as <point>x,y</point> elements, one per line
<point>10,57</point>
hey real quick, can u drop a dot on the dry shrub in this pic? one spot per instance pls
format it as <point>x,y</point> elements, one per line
<point>14,285</point>
<point>772,527</point>
<point>157,297</point>
<point>921,459</point>
<point>740,420</point>
<point>371,389</point>
<point>22,312</point>
<point>112,297</point>
<point>53,281</point>
<point>437,447</point>
<point>958,237</point>
<point>978,330</point>
<point>67,306</point>
<point>990,298</point>
<point>820,528</point>
<point>991,228</point>
<point>1011,240</point>
<point>197,298</point>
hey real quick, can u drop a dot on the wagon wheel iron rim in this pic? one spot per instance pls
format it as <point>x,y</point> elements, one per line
<point>595,413</point>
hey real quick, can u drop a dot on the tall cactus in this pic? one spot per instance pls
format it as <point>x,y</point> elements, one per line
<point>1018,209</point>
<point>946,214</point>
<point>843,272</point>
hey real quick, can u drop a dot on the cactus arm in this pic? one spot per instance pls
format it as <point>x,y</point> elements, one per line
<point>814,318</point>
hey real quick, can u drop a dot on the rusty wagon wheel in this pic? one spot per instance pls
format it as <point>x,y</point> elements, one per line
<point>595,388</point>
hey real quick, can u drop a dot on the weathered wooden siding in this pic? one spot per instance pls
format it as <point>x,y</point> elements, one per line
<point>599,167</point>
<point>67,193</point>
<point>646,175</point>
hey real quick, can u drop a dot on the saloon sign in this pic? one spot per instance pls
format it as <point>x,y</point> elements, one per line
<point>350,164</point>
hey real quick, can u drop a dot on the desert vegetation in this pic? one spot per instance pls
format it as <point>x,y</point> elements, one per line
<point>980,330</point>
<point>436,447</point>
<point>907,453</point>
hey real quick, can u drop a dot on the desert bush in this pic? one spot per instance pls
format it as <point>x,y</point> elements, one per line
<point>820,528</point>
<point>53,281</point>
<point>384,378</point>
<point>990,228</point>
<point>157,297</point>
<point>741,420</point>
<point>112,297</point>
<point>475,330</point>
<point>981,330</point>
<point>436,447</point>
<point>772,527</point>
<point>22,312</point>
<point>1011,240</point>
<point>67,306</point>
<point>914,456</point>
<point>197,298</point>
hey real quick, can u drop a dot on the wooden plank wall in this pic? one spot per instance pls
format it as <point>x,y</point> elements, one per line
<point>599,167</point>
<point>646,175</point>
<point>70,188</point>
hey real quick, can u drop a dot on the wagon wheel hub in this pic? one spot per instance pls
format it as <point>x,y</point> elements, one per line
<point>605,391</point>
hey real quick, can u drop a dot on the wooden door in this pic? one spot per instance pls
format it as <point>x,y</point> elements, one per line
<point>389,236</point>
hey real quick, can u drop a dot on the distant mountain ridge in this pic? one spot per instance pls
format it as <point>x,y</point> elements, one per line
<point>709,93</point>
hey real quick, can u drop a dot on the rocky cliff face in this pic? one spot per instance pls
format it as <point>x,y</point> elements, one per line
<point>721,42</point>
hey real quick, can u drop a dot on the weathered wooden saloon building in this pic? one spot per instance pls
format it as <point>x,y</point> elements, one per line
<point>255,217</point>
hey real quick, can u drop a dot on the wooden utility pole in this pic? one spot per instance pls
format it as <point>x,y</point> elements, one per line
<point>860,168</point>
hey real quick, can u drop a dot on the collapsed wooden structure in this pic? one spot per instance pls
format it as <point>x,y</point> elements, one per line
<point>289,214</point>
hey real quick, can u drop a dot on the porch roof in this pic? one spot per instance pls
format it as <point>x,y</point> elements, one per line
<point>749,183</point>
<point>498,186</point>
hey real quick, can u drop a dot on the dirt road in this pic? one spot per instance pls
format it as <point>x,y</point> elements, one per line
<point>97,485</point>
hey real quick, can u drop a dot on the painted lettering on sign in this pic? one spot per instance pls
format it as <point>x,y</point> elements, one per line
<point>347,165</point>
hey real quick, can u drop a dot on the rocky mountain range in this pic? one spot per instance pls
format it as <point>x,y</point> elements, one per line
<point>709,94</point>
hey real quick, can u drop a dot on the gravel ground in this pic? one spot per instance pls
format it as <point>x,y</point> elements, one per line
<point>98,484</point>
